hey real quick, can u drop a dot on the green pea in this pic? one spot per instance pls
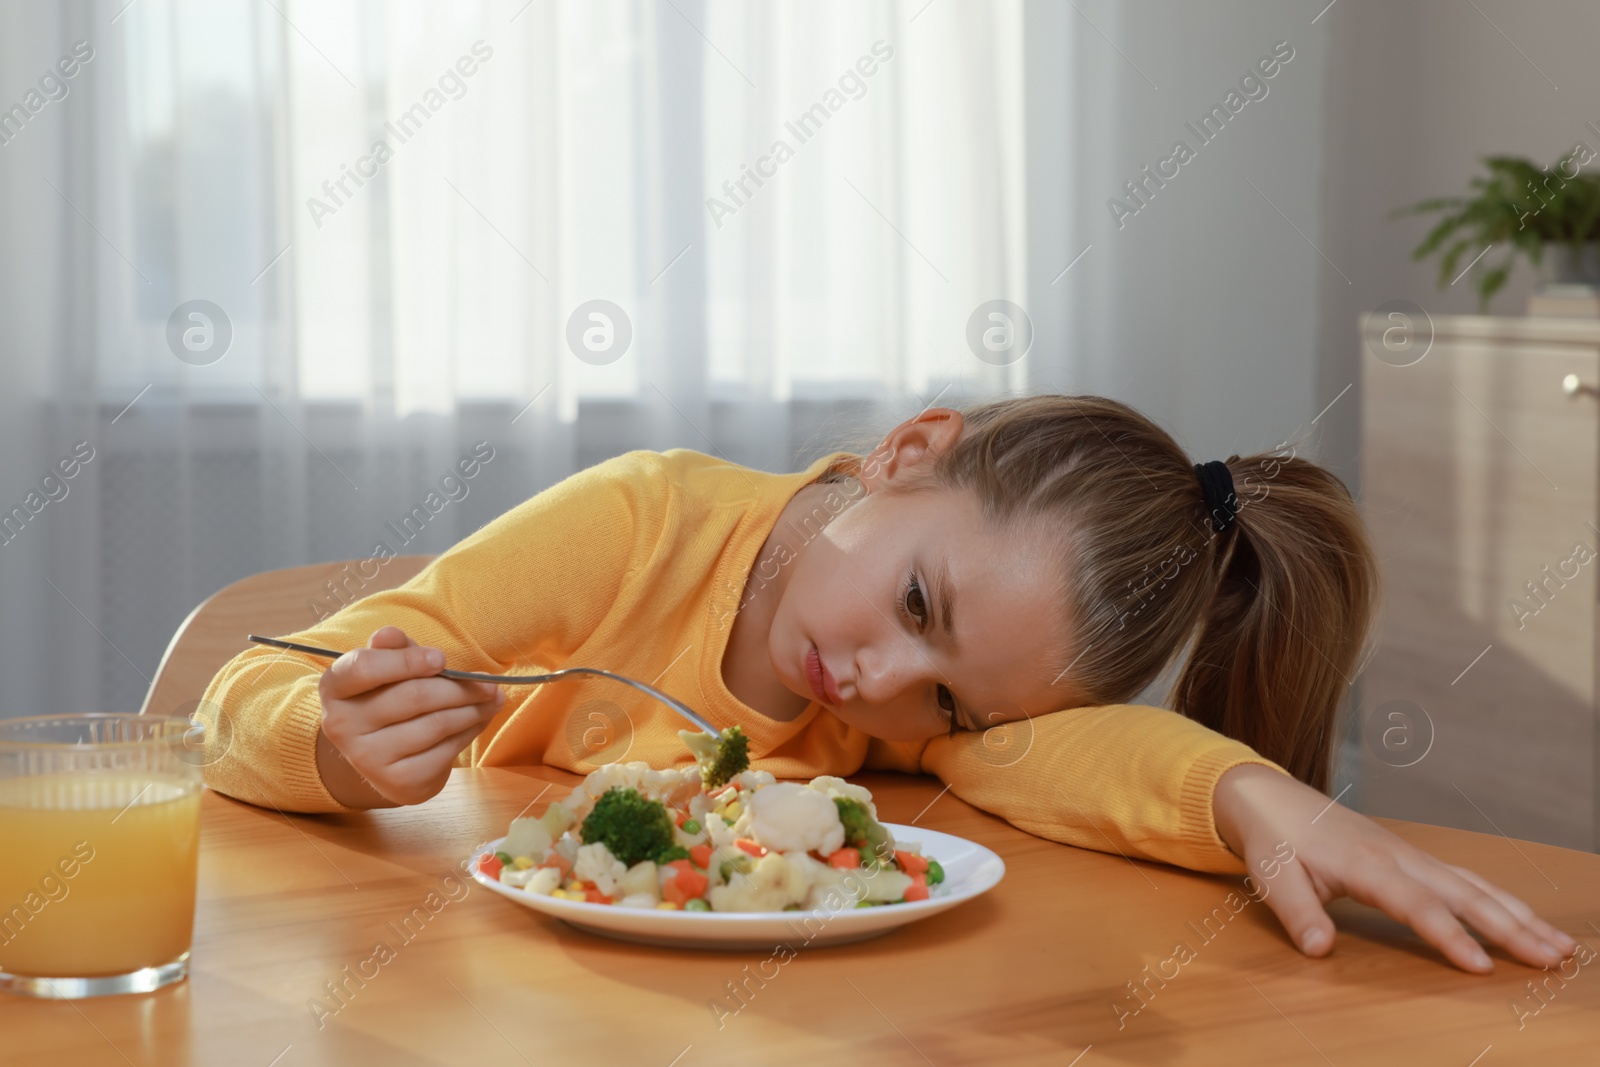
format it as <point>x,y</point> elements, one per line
<point>690,826</point>
<point>504,858</point>
<point>697,905</point>
<point>935,872</point>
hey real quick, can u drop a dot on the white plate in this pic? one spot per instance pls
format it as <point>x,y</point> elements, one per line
<point>969,869</point>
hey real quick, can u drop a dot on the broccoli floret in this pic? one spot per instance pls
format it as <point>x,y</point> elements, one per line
<point>864,832</point>
<point>631,826</point>
<point>720,757</point>
<point>733,757</point>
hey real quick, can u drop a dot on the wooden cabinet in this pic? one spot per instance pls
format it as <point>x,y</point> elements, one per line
<point>1479,484</point>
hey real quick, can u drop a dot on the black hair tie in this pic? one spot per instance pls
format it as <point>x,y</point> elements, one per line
<point>1216,481</point>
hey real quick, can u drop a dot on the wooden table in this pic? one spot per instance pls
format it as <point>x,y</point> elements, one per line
<point>1028,973</point>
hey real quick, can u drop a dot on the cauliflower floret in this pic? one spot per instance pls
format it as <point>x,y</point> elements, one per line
<point>542,880</point>
<point>823,879</point>
<point>640,881</point>
<point>752,780</point>
<point>829,786</point>
<point>700,806</point>
<point>883,885</point>
<point>596,864</point>
<point>517,879</point>
<point>776,881</point>
<point>718,832</point>
<point>638,900</point>
<point>789,817</point>
<point>722,834</point>
<point>605,777</point>
<point>672,786</point>
<point>528,837</point>
<point>833,890</point>
<point>608,776</point>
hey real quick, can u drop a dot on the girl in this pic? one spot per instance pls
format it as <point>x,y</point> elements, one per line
<point>930,607</point>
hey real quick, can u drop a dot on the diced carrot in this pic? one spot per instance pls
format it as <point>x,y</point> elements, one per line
<point>750,846</point>
<point>685,884</point>
<point>594,896</point>
<point>910,862</point>
<point>701,854</point>
<point>490,864</point>
<point>680,818</point>
<point>691,876</point>
<point>918,889</point>
<point>845,859</point>
<point>559,862</point>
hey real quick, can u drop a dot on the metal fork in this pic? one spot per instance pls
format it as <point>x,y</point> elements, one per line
<point>520,679</point>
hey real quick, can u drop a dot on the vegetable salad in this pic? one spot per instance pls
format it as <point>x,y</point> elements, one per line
<point>701,839</point>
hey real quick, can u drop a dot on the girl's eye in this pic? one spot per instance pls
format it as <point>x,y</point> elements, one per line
<point>947,701</point>
<point>915,606</point>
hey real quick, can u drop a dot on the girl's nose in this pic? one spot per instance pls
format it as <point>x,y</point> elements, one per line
<point>885,671</point>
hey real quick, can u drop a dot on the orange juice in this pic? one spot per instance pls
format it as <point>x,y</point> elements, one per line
<point>97,872</point>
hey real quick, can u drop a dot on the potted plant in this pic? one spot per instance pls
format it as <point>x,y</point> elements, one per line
<point>1552,216</point>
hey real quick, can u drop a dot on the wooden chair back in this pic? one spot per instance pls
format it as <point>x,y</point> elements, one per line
<point>271,603</point>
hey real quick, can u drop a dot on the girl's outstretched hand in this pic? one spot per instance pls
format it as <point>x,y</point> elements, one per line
<point>391,727</point>
<point>1337,853</point>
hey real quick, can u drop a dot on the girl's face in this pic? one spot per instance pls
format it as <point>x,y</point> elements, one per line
<point>920,613</point>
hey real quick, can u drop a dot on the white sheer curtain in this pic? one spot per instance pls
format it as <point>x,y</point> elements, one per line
<point>391,308</point>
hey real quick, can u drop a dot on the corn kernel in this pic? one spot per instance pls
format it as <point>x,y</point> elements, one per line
<point>666,905</point>
<point>732,810</point>
<point>522,863</point>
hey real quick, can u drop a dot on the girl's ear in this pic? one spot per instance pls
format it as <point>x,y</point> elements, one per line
<point>911,447</point>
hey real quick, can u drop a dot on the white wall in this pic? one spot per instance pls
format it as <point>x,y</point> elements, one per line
<point>1201,309</point>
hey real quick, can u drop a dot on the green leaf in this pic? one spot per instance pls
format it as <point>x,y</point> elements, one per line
<point>1444,228</point>
<point>1422,206</point>
<point>1513,204</point>
<point>1490,283</point>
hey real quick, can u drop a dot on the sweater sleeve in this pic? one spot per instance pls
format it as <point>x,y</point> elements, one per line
<point>1129,779</point>
<point>527,588</point>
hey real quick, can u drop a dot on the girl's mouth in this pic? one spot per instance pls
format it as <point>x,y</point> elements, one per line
<point>821,682</point>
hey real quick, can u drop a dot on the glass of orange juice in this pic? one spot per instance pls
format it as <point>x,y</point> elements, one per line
<point>99,848</point>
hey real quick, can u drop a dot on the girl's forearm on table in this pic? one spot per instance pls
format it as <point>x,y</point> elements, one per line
<point>1229,805</point>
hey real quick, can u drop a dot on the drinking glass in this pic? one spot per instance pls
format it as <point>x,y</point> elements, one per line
<point>99,849</point>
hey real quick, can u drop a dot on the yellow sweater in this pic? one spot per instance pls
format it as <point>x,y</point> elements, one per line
<point>637,565</point>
